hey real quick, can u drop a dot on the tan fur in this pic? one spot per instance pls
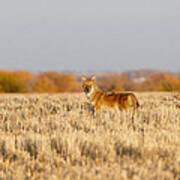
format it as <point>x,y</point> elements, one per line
<point>112,99</point>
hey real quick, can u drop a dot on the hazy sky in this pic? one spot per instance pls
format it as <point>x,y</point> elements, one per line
<point>86,35</point>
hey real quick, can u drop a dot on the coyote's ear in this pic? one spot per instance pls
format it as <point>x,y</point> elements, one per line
<point>93,78</point>
<point>83,78</point>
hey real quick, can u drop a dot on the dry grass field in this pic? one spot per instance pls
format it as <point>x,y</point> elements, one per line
<point>55,137</point>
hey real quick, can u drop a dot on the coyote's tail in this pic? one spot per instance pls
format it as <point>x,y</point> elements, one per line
<point>137,103</point>
<point>134,101</point>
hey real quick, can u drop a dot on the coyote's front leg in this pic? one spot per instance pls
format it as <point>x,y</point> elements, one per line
<point>97,109</point>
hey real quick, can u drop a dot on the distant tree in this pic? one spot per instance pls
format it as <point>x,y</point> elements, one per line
<point>161,82</point>
<point>64,82</point>
<point>22,81</point>
<point>11,84</point>
<point>56,82</point>
<point>24,76</point>
<point>43,84</point>
<point>169,83</point>
<point>116,82</point>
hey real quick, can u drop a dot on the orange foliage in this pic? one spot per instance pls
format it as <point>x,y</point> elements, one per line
<point>116,82</point>
<point>23,81</point>
<point>161,82</point>
<point>169,83</point>
<point>56,82</point>
<point>43,84</point>
<point>23,75</point>
<point>10,83</point>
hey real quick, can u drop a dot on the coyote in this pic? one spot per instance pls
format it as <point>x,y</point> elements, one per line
<point>98,98</point>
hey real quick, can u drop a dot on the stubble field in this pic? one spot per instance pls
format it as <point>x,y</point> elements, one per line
<point>54,136</point>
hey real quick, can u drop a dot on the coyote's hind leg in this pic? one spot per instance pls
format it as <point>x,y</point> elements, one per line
<point>132,119</point>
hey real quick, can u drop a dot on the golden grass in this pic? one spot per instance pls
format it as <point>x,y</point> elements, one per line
<point>54,136</point>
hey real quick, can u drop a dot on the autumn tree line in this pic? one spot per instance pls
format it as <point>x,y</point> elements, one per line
<point>53,82</point>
